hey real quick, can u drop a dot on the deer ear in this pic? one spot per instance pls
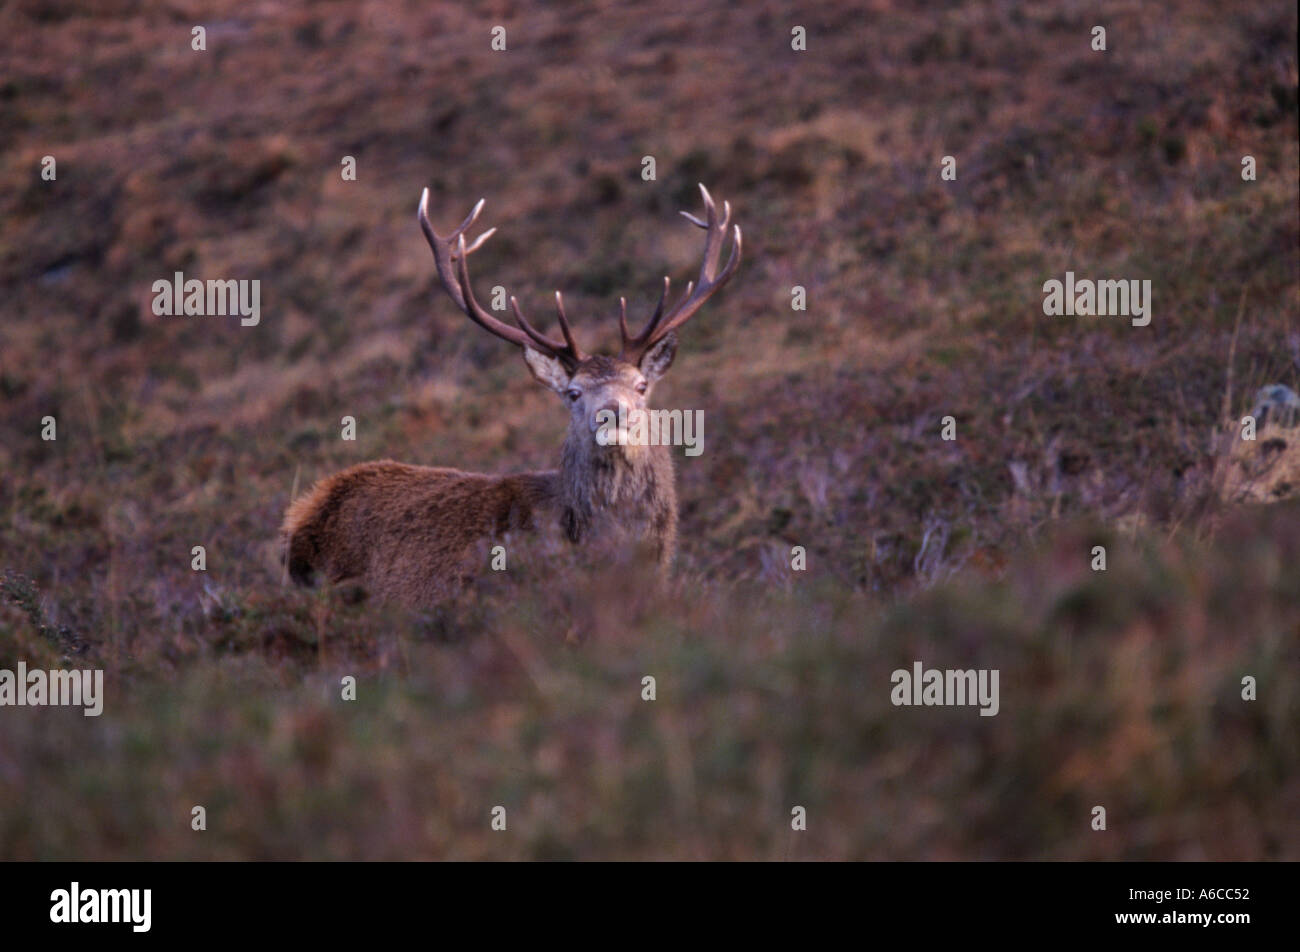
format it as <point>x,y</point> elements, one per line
<point>659,358</point>
<point>548,370</point>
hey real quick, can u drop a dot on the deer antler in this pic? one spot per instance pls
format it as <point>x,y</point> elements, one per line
<point>450,255</point>
<point>697,292</point>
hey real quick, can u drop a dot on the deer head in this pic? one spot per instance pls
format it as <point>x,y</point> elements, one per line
<point>590,384</point>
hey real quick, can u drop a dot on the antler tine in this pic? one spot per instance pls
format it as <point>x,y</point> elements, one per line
<point>697,292</point>
<point>537,336</point>
<point>630,343</point>
<point>567,350</point>
<point>566,330</point>
<point>716,235</point>
<point>453,272</point>
<point>473,310</point>
<point>478,242</point>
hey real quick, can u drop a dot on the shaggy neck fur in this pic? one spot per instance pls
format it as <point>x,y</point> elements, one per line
<point>630,482</point>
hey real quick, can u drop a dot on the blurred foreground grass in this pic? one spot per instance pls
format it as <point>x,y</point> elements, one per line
<point>1119,688</point>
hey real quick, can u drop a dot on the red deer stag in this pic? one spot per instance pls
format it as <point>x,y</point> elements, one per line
<point>409,533</point>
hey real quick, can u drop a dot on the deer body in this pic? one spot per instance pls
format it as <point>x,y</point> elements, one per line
<point>408,532</point>
<point>414,534</point>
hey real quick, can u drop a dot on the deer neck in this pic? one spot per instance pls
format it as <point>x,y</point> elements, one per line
<point>594,478</point>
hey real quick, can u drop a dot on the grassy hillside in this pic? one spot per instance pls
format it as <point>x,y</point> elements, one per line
<point>822,430</point>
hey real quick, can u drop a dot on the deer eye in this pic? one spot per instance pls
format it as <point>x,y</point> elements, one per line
<point>573,393</point>
<point>641,387</point>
